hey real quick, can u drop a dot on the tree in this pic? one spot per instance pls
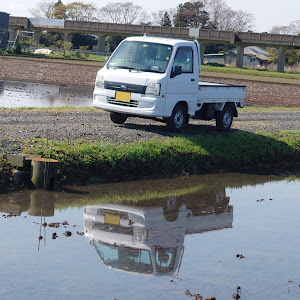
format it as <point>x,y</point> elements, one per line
<point>122,12</point>
<point>191,14</point>
<point>113,42</point>
<point>292,28</point>
<point>25,43</point>
<point>164,18</point>
<point>225,18</point>
<point>44,9</point>
<point>79,11</point>
<point>60,10</point>
<point>50,38</point>
<point>64,46</point>
<point>82,39</point>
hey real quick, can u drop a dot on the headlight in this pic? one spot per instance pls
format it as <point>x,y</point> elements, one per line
<point>99,82</point>
<point>153,89</point>
<point>140,235</point>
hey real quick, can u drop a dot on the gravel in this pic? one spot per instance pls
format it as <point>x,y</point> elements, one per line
<point>20,125</point>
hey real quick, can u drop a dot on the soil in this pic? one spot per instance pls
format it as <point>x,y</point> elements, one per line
<point>19,125</point>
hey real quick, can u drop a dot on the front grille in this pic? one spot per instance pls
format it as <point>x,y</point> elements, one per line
<point>113,228</point>
<point>119,86</point>
<point>132,103</point>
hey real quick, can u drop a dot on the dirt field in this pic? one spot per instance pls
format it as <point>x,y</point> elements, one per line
<point>257,92</point>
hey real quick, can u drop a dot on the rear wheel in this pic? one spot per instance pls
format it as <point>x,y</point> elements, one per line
<point>178,119</point>
<point>118,118</point>
<point>224,119</point>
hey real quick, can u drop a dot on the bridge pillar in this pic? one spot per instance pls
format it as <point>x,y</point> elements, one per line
<point>68,36</point>
<point>36,37</point>
<point>202,48</point>
<point>240,56</point>
<point>101,44</point>
<point>281,59</point>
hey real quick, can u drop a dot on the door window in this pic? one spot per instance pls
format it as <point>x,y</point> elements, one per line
<point>184,58</point>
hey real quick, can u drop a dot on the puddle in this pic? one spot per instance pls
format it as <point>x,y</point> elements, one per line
<point>153,239</point>
<point>26,94</point>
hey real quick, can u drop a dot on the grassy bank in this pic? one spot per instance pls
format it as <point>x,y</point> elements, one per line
<point>84,162</point>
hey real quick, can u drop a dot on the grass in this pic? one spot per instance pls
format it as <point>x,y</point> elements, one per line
<point>251,74</point>
<point>84,162</point>
<point>92,60</point>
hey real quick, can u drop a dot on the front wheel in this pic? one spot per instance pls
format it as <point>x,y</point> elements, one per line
<point>224,119</point>
<point>118,118</point>
<point>178,119</point>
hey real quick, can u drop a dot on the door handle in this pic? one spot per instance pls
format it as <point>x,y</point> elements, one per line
<point>192,79</point>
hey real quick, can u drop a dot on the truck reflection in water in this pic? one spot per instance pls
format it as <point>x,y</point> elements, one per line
<point>149,238</point>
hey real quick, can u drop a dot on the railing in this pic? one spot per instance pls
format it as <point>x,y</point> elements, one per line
<point>208,35</point>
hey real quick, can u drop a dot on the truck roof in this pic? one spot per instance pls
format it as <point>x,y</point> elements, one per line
<point>160,40</point>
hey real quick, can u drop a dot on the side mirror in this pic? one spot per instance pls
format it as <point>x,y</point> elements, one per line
<point>177,71</point>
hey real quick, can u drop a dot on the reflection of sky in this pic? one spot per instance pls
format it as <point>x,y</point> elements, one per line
<point>266,233</point>
<point>27,94</point>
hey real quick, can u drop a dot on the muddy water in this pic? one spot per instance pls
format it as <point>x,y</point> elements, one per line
<point>154,239</point>
<point>27,94</point>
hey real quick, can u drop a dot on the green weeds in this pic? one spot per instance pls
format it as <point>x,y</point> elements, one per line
<point>6,178</point>
<point>85,162</point>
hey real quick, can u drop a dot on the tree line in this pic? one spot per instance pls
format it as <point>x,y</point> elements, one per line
<point>214,14</point>
<point>205,14</point>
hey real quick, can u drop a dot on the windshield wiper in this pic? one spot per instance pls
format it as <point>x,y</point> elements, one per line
<point>120,67</point>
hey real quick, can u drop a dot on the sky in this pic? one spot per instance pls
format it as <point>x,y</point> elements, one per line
<point>267,13</point>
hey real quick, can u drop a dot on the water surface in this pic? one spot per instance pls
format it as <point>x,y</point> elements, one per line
<point>28,94</point>
<point>154,239</point>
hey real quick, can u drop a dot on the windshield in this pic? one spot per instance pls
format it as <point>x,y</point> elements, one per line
<point>141,56</point>
<point>125,258</point>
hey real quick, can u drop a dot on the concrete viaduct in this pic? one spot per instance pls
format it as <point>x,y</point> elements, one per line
<point>205,36</point>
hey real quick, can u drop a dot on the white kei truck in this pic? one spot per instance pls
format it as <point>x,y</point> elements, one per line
<point>140,239</point>
<point>158,78</point>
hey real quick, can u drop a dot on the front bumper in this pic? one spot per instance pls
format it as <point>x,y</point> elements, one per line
<point>139,105</point>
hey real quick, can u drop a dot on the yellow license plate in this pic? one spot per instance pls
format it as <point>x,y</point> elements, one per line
<point>122,96</point>
<point>112,219</point>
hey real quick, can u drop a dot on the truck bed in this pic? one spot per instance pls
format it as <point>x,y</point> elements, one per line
<point>210,92</point>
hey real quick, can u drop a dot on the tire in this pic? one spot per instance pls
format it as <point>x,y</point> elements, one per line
<point>224,119</point>
<point>178,120</point>
<point>118,118</point>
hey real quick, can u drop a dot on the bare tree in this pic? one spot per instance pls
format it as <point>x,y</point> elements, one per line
<point>216,9</point>
<point>225,18</point>
<point>80,11</point>
<point>122,12</point>
<point>44,9</point>
<point>158,16</point>
<point>292,28</point>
